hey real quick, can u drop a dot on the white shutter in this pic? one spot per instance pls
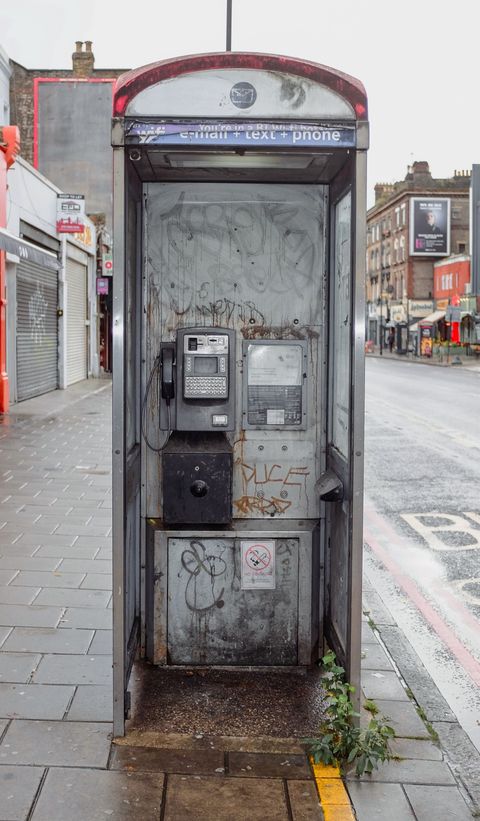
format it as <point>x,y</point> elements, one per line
<point>76,322</point>
<point>36,330</point>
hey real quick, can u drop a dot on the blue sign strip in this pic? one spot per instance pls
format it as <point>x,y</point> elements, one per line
<point>244,134</point>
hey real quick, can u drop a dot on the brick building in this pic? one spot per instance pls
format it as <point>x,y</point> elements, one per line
<point>400,257</point>
<point>64,117</point>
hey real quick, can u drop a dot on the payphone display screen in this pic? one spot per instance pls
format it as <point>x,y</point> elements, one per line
<point>275,384</point>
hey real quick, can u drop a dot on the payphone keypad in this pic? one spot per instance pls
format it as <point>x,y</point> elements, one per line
<point>205,366</point>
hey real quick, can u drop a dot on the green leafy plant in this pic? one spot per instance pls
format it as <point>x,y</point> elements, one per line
<point>341,741</point>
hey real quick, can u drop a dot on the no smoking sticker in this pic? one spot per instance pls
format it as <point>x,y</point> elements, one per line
<point>258,565</point>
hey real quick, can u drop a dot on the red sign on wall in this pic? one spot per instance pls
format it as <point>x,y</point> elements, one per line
<point>70,213</point>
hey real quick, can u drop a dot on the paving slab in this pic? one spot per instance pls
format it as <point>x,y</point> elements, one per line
<point>83,530</point>
<point>4,632</point>
<point>73,552</point>
<point>18,595</point>
<point>402,716</point>
<point>17,667</point>
<point>416,749</point>
<point>6,576</point>
<point>101,643</point>
<point>97,581</point>
<point>91,703</point>
<point>148,759</point>
<point>439,803</point>
<point>383,684</point>
<point>31,563</point>
<point>24,615</point>
<point>87,617</point>
<point>92,795</point>
<point>18,788</point>
<point>375,609</point>
<point>81,565</point>
<point>56,578</point>
<point>34,701</point>
<point>410,772</point>
<point>205,798</point>
<point>419,680</point>
<point>37,540</point>
<point>45,640</point>
<point>56,744</point>
<point>74,669</point>
<point>378,802</point>
<point>70,597</point>
<point>268,765</point>
<point>374,657</point>
<point>304,802</point>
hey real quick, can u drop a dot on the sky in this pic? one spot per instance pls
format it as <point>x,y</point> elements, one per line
<point>416,59</point>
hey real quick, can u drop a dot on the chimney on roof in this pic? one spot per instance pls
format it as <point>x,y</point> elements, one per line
<point>83,60</point>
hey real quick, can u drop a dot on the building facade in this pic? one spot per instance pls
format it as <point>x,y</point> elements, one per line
<point>51,317</point>
<point>64,117</point>
<point>404,242</point>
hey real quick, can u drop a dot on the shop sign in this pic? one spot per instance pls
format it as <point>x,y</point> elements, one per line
<point>102,285</point>
<point>397,313</point>
<point>420,308</point>
<point>107,265</point>
<point>70,213</point>
<point>85,238</point>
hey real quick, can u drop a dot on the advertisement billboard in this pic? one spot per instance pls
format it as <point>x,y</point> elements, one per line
<point>429,226</point>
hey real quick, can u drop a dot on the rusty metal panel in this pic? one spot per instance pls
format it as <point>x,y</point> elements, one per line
<point>250,257</point>
<point>212,620</point>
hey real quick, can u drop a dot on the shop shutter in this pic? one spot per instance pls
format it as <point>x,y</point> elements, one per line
<point>37,330</point>
<point>76,319</point>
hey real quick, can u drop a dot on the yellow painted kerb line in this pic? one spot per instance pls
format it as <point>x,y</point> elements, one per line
<point>332,793</point>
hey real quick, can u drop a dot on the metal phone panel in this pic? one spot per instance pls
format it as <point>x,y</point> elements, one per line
<point>212,620</point>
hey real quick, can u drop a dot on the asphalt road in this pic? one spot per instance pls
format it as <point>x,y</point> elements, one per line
<point>422,518</point>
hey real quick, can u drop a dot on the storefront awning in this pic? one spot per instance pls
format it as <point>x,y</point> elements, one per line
<point>27,250</point>
<point>431,318</point>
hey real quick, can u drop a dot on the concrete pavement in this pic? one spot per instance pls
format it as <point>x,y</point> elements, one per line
<point>57,760</point>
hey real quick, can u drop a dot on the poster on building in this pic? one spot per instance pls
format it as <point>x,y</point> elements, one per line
<point>258,565</point>
<point>429,226</point>
<point>70,213</point>
<point>426,341</point>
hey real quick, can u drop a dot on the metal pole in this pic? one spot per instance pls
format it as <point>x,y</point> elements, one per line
<point>381,322</point>
<point>229,25</point>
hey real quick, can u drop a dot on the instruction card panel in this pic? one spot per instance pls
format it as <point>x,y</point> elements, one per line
<point>258,565</point>
<point>275,390</point>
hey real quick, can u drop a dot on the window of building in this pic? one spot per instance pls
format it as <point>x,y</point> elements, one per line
<point>402,249</point>
<point>462,247</point>
<point>397,217</point>
<point>403,217</point>
<point>395,251</point>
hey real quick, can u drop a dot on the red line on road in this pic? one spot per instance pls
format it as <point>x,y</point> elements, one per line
<point>436,622</point>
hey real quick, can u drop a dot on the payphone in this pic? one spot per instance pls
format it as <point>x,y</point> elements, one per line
<point>197,390</point>
<point>197,383</point>
<point>240,242</point>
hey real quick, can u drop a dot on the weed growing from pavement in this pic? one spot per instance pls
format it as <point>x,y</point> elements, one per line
<point>340,740</point>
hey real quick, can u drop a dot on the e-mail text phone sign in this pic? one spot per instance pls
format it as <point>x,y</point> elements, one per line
<point>429,226</point>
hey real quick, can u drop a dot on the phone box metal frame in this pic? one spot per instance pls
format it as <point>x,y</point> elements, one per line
<point>239,208</point>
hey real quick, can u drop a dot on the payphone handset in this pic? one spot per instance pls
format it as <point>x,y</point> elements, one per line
<point>205,364</point>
